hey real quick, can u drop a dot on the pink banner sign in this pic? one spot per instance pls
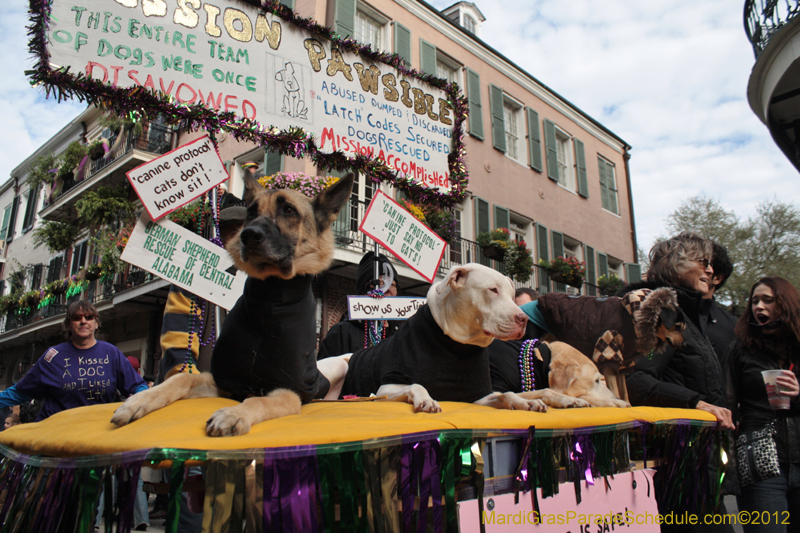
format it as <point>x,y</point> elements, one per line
<point>628,503</point>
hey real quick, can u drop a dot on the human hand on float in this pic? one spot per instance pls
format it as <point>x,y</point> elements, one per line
<point>724,417</point>
<point>788,383</point>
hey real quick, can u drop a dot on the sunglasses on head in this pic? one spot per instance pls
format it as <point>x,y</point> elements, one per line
<point>79,317</point>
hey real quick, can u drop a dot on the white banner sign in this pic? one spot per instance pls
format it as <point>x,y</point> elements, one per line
<point>389,308</point>
<point>185,259</point>
<point>406,237</point>
<point>233,57</point>
<point>178,177</point>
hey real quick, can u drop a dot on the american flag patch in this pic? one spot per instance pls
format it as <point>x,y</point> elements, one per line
<point>50,354</point>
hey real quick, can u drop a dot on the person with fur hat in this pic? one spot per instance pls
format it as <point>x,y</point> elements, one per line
<point>348,336</point>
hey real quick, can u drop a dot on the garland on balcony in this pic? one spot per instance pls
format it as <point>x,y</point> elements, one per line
<point>137,103</point>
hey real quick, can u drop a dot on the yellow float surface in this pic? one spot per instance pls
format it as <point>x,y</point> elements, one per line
<point>87,430</point>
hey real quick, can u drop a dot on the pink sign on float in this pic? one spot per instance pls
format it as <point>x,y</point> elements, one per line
<point>178,177</point>
<point>628,504</point>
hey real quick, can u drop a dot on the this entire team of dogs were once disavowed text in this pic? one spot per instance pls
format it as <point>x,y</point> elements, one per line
<point>265,355</point>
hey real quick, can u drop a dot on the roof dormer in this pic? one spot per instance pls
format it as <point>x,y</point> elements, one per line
<point>467,15</point>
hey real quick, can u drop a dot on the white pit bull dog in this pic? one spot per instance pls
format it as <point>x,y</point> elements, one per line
<point>440,351</point>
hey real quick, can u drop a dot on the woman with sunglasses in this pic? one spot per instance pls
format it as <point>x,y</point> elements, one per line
<point>689,376</point>
<point>768,338</point>
<point>81,371</point>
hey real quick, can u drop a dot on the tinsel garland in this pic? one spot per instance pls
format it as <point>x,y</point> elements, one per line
<point>139,104</point>
<point>300,488</point>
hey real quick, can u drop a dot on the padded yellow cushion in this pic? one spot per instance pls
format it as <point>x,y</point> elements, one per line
<point>87,430</point>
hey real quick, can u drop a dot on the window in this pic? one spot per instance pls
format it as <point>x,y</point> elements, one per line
<point>469,24</point>
<point>54,269</point>
<point>5,220</point>
<point>566,177</point>
<point>79,256</point>
<point>608,186</point>
<point>10,219</point>
<point>446,70</point>
<point>510,117</point>
<point>369,31</point>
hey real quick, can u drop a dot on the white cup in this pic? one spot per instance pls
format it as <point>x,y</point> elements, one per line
<point>776,399</point>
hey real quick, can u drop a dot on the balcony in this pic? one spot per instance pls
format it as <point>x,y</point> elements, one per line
<point>347,236</point>
<point>127,152</point>
<point>764,18</point>
<point>98,292</point>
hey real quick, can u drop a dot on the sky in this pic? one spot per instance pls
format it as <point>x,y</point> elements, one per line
<point>668,77</point>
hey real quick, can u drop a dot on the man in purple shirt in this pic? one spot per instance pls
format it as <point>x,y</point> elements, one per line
<point>81,371</point>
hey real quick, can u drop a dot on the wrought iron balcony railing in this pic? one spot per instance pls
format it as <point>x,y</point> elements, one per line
<point>155,139</point>
<point>764,18</point>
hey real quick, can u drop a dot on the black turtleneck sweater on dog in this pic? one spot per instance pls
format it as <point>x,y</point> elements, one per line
<point>421,353</point>
<point>268,341</point>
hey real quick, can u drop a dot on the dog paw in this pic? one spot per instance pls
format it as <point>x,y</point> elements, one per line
<point>427,405</point>
<point>535,405</point>
<point>621,403</point>
<point>226,422</point>
<point>576,402</point>
<point>134,408</point>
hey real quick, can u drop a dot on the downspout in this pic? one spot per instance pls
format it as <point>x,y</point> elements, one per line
<point>626,156</point>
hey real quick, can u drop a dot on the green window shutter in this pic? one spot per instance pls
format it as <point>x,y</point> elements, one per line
<point>498,123</point>
<point>273,161</point>
<point>580,156</point>
<point>602,265</point>
<point>4,227</point>
<point>550,149</point>
<point>288,3</point>
<point>30,209</point>
<point>78,257</point>
<point>591,279</point>
<point>12,219</point>
<point>601,167</point>
<point>501,218</point>
<point>482,225</point>
<point>612,188</point>
<point>558,244</point>
<point>427,57</point>
<point>634,272</point>
<point>541,246</point>
<point>475,108</point>
<point>402,42</point>
<point>345,16</point>
<point>534,140</point>
<point>558,251</point>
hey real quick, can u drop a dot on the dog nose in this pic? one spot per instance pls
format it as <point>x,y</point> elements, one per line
<point>251,235</point>
<point>521,318</point>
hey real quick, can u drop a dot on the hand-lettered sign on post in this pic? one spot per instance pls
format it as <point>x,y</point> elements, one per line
<point>263,73</point>
<point>406,237</point>
<point>178,177</point>
<point>185,259</point>
<point>389,308</point>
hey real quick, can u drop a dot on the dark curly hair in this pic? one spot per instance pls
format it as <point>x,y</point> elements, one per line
<point>787,300</point>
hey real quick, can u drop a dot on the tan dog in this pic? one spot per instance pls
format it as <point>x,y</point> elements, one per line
<point>439,354</point>
<point>266,351</point>
<point>573,376</point>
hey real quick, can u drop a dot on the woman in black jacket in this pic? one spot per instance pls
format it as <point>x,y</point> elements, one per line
<point>768,339</point>
<point>690,376</point>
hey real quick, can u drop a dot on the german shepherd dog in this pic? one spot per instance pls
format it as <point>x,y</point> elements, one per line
<point>266,352</point>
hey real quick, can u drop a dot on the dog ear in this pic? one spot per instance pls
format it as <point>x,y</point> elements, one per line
<point>456,278</point>
<point>252,188</point>
<point>329,202</point>
<point>669,316</point>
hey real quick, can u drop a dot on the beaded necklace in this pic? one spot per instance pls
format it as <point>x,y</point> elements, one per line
<point>374,330</point>
<point>527,373</point>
